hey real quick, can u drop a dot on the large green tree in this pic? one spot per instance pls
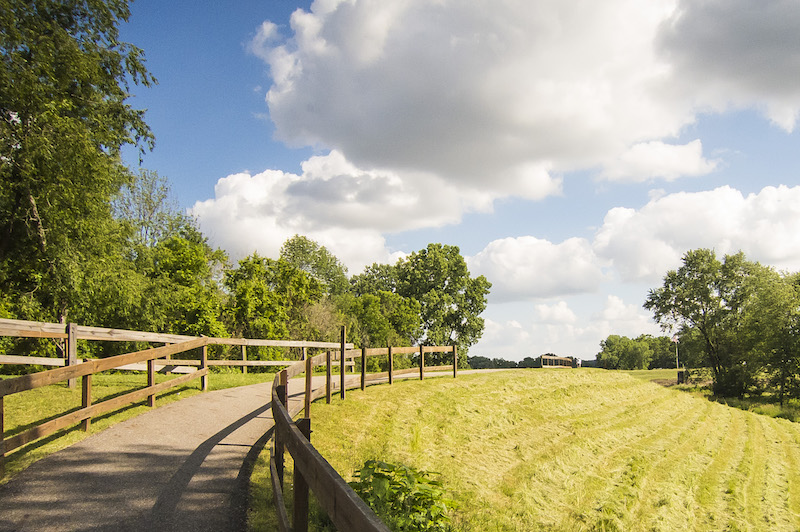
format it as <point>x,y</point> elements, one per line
<point>64,82</point>
<point>772,329</point>
<point>709,296</point>
<point>270,298</point>
<point>314,259</point>
<point>386,318</point>
<point>451,301</point>
<point>621,352</point>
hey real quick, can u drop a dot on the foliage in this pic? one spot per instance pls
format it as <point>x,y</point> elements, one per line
<point>451,301</point>
<point>386,318</point>
<point>621,352</point>
<point>376,278</point>
<point>146,204</point>
<point>405,498</point>
<point>314,259</point>
<point>709,296</point>
<point>480,362</point>
<point>64,82</point>
<point>269,298</point>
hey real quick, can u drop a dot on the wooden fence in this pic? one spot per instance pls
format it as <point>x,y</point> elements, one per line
<point>311,470</point>
<point>145,360</point>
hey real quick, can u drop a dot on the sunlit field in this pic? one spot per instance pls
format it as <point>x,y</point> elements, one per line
<point>574,450</point>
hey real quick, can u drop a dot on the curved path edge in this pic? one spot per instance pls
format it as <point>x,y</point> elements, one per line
<point>184,466</point>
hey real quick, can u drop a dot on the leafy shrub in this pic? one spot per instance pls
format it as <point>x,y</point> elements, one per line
<point>406,499</point>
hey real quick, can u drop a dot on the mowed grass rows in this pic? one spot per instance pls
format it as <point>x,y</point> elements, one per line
<point>574,450</point>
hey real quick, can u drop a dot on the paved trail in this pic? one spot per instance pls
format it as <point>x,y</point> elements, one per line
<point>184,466</point>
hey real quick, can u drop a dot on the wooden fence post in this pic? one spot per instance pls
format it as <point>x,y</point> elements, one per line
<point>309,374</point>
<point>204,365</point>
<point>86,399</point>
<point>2,441</point>
<point>363,368</point>
<point>342,366</point>
<point>455,361</point>
<point>421,362</point>
<point>244,358</point>
<point>300,507</point>
<point>151,381</point>
<point>283,398</point>
<point>71,354</point>
<point>328,376</point>
<point>391,366</point>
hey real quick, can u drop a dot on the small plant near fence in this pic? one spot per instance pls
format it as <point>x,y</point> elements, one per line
<point>406,499</point>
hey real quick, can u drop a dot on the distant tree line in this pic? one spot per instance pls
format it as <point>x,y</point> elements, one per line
<point>737,317</point>
<point>642,352</point>
<point>84,239</point>
<point>480,362</point>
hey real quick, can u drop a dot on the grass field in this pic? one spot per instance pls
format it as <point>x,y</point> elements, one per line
<point>575,450</point>
<point>27,409</point>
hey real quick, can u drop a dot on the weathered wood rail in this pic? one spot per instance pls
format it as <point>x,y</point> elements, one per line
<point>147,360</point>
<point>71,333</point>
<point>311,470</point>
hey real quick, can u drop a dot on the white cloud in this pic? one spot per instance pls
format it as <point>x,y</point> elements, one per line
<point>558,313</point>
<point>618,317</point>
<point>527,268</point>
<point>736,52</point>
<point>649,160</point>
<point>478,92</point>
<point>642,245</point>
<point>468,102</point>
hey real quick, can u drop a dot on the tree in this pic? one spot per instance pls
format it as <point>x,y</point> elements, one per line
<point>145,203</point>
<point>386,319</point>
<point>314,259</point>
<point>662,348</point>
<point>269,298</point>
<point>64,82</point>
<point>376,278</point>
<point>621,352</point>
<point>772,329</point>
<point>451,301</point>
<point>708,296</point>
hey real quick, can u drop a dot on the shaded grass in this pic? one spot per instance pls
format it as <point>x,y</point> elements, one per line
<point>29,408</point>
<point>574,450</point>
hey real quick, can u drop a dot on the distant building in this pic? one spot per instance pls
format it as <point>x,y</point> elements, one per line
<point>552,361</point>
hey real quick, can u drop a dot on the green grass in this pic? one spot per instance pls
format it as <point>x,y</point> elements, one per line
<point>574,450</point>
<point>27,409</point>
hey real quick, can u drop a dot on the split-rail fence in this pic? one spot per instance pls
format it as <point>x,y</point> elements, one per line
<point>311,470</point>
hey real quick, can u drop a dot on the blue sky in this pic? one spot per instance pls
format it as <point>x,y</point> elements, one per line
<point>572,151</point>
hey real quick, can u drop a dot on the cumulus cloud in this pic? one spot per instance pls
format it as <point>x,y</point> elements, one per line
<point>736,52</point>
<point>626,319</point>
<point>475,101</point>
<point>655,159</point>
<point>501,96</point>
<point>643,244</point>
<point>339,205</point>
<point>527,268</point>
<point>558,313</point>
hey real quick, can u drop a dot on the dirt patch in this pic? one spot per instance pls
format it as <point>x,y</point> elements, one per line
<point>666,382</point>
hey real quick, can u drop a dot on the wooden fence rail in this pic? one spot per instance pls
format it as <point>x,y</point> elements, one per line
<point>147,360</point>
<point>311,470</point>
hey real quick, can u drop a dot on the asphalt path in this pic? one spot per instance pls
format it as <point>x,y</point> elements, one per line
<point>184,466</point>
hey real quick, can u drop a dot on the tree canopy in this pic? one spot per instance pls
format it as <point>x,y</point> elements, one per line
<point>742,314</point>
<point>64,81</point>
